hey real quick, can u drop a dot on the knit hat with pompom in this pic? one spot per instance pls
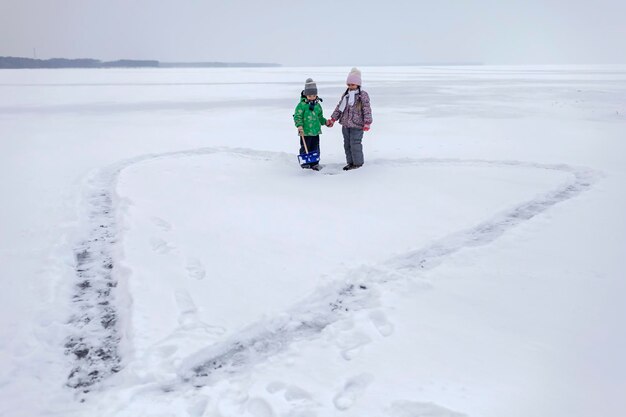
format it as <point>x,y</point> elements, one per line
<point>310,88</point>
<point>354,77</point>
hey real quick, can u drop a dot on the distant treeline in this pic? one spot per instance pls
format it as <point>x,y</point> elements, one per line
<point>7,62</point>
<point>14,62</point>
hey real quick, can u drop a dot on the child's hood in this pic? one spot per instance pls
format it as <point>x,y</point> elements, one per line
<point>318,100</point>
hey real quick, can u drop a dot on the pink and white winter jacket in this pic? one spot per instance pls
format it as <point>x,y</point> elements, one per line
<point>357,115</point>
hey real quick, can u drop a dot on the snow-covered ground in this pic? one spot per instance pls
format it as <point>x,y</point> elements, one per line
<point>162,254</point>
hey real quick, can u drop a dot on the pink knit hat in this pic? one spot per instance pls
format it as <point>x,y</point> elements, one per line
<point>354,77</point>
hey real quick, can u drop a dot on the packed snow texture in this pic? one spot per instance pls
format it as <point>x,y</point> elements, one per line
<point>163,254</point>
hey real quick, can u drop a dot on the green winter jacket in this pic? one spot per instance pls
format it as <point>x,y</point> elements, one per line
<point>310,120</point>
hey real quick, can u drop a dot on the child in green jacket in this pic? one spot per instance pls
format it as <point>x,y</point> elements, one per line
<point>309,119</point>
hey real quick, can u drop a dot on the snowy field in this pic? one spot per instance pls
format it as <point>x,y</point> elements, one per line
<point>162,254</point>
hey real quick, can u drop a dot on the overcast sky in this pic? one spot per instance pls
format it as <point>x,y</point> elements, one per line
<point>319,32</point>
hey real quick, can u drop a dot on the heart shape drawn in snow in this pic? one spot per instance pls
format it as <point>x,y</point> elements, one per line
<point>256,221</point>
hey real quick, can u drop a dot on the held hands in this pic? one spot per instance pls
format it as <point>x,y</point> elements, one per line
<point>366,128</point>
<point>330,122</point>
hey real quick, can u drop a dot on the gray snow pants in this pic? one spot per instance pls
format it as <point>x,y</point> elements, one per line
<point>352,138</point>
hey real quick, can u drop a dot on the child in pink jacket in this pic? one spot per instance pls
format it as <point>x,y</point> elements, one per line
<point>355,115</point>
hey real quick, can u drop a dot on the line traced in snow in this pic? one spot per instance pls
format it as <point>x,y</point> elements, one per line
<point>94,343</point>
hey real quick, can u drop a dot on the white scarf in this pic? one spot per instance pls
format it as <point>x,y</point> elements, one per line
<point>348,99</point>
